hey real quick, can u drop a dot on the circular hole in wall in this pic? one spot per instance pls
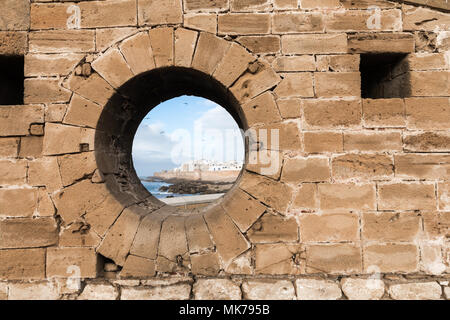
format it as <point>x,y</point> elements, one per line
<point>188,151</point>
<point>133,104</point>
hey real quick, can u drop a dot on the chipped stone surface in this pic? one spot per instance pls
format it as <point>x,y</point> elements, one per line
<point>416,291</point>
<point>311,289</point>
<point>224,289</point>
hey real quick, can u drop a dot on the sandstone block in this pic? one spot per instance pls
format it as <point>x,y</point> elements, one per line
<point>272,193</point>
<point>162,12</point>
<point>285,4</point>
<point>268,290</point>
<point>234,63</point>
<point>427,141</point>
<point>252,5</point>
<point>60,139</point>
<point>341,84</point>
<point>427,61</point>
<point>262,109</point>
<point>338,63</point>
<point>430,83</point>
<point>78,234</point>
<point>228,239</point>
<point>145,243</point>
<point>22,264</point>
<point>45,172</point>
<point>172,292</point>
<point>363,289</point>
<point>373,141</point>
<point>444,196</point>
<point>113,68</point>
<point>13,172</point>
<point>63,262</point>
<point>104,38</point>
<point>210,51</point>
<point>94,88</point>
<point>416,291</point>
<point>329,227</point>
<point>76,166</point>
<point>337,197</point>
<point>289,108</point>
<point>243,23</point>
<point>59,41</point>
<point>15,15</point>
<point>311,289</point>
<point>251,84</point>
<point>205,5</point>
<point>13,43</point>
<point>331,114</point>
<point>381,43</point>
<point>294,63</point>
<point>100,215</point>
<point>334,259</point>
<point>241,265</point>
<point>362,166</point>
<point>162,42</point>
<point>138,53</point>
<point>313,4</point>
<point>387,226</point>
<point>216,289</point>
<point>298,170</point>
<point>382,113</point>
<point>138,267</point>
<point>204,22</point>
<point>207,264</point>
<point>99,292</point>
<point>28,233</point>
<point>3,291</point>
<point>418,18</point>
<point>279,258</point>
<point>16,120</point>
<point>265,162</point>
<point>79,199</point>
<point>41,90</point>
<point>420,166</point>
<point>31,147</point>
<point>173,242</point>
<point>33,291</point>
<point>243,209</point>
<point>295,85</point>
<point>314,43</point>
<point>406,196</point>
<point>50,64</point>
<point>434,116</point>
<point>9,147</point>
<point>306,198</point>
<point>197,234</point>
<point>18,202</point>
<point>361,20</point>
<point>185,42</point>
<point>323,142</point>
<point>261,44</point>
<point>391,258</point>
<point>272,228</point>
<point>82,112</point>
<point>117,242</point>
<point>297,22</point>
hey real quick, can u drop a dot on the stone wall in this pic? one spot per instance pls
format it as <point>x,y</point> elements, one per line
<point>358,205</point>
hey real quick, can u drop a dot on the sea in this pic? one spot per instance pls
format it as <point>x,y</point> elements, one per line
<point>153,188</point>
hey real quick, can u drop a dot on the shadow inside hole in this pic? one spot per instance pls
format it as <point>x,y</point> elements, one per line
<point>124,112</point>
<point>385,75</point>
<point>11,80</point>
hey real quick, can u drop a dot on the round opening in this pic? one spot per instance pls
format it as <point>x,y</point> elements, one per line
<point>188,151</point>
<point>126,116</point>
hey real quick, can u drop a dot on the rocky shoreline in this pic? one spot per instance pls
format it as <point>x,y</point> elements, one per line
<point>181,186</point>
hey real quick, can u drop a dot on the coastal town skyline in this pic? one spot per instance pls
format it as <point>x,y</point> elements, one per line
<point>183,129</point>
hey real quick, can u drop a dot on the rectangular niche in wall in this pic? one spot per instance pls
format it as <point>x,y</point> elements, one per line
<point>385,75</point>
<point>11,80</point>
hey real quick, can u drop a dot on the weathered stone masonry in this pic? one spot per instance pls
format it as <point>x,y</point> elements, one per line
<point>359,208</point>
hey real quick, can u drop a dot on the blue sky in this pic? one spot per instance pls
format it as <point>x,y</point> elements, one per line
<point>182,129</point>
